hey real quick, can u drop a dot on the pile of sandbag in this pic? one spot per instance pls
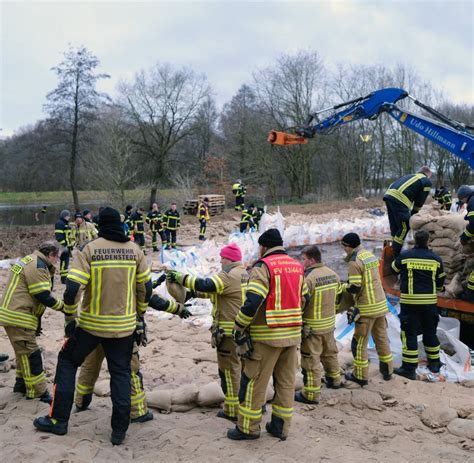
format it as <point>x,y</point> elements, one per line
<point>445,229</point>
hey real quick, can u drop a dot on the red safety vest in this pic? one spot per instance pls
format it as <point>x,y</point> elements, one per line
<point>283,304</point>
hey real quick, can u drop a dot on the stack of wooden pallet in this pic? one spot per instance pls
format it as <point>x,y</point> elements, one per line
<point>216,204</point>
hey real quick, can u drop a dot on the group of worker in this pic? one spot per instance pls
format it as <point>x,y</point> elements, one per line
<point>260,318</point>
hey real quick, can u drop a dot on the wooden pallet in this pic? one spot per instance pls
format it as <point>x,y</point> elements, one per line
<point>216,204</point>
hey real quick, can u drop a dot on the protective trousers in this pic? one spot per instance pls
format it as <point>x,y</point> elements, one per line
<point>399,219</point>
<point>202,228</point>
<point>30,377</point>
<point>90,371</point>
<point>140,240</point>
<point>64,264</point>
<point>412,318</point>
<point>118,352</point>
<point>317,349</point>
<point>154,240</point>
<point>171,238</point>
<point>377,327</point>
<point>239,203</point>
<point>230,368</point>
<point>268,361</point>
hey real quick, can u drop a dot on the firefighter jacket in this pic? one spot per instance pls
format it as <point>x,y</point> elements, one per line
<point>324,288</point>
<point>273,302</point>
<point>469,231</point>
<point>128,220</point>
<point>138,223</point>
<point>248,216</point>
<point>172,219</point>
<point>64,234</point>
<point>28,292</point>
<point>239,189</point>
<point>202,212</point>
<point>410,190</point>
<point>421,276</point>
<point>444,198</point>
<point>365,284</point>
<point>226,290</point>
<point>163,305</point>
<point>155,219</point>
<point>117,285</point>
<point>84,233</point>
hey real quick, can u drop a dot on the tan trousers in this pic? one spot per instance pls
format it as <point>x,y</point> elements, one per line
<point>29,364</point>
<point>268,361</point>
<point>230,368</point>
<point>377,327</point>
<point>90,371</point>
<point>317,349</point>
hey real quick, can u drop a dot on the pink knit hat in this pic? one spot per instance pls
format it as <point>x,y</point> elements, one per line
<point>231,252</point>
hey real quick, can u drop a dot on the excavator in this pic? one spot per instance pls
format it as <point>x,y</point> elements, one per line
<point>454,136</point>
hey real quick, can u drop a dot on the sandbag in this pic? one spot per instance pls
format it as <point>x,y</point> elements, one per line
<point>210,395</point>
<point>102,388</point>
<point>178,292</point>
<point>417,221</point>
<point>160,399</point>
<point>446,243</point>
<point>181,408</point>
<point>184,395</point>
<point>453,221</point>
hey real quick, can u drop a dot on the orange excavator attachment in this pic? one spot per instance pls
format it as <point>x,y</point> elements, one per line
<point>283,138</point>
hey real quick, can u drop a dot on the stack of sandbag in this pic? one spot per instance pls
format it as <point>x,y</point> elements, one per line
<point>445,230</point>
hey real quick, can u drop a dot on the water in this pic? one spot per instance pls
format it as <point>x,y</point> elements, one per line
<point>28,215</point>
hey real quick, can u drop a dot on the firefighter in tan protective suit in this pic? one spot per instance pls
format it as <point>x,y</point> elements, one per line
<point>319,321</point>
<point>226,290</point>
<point>28,293</point>
<point>267,331</point>
<point>115,278</point>
<point>84,231</point>
<point>90,369</point>
<point>370,308</point>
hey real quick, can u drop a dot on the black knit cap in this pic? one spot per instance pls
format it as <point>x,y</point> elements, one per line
<point>270,238</point>
<point>351,239</point>
<point>110,225</point>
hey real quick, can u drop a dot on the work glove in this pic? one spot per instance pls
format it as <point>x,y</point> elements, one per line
<point>39,329</point>
<point>353,314</point>
<point>140,332</point>
<point>69,327</point>
<point>182,311</point>
<point>175,277</point>
<point>463,239</point>
<point>159,281</point>
<point>307,331</point>
<point>217,337</point>
<point>244,344</point>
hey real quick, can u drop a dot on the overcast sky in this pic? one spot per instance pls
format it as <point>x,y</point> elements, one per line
<point>228,41</point>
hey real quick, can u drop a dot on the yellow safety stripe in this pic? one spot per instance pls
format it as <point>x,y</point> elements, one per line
<point>107,323</point>
<point>218,283</point>
<point>386,358</point>
<point>264,333</point>
<point>57,305</point>
<point>359,362</point>
<point>373,309</point>
<point>243,319</point>
<point>418,299</point>
<point>143,277</point>
<point>83,389</point>
<point>283,317</point>
<point>70,308</point>
<point>395,268</point>
<point>20,319</point>
<point>227,327</point>
<point>322,323</point>
<point>400,196</point>
<point>282,412</point>
<point>142,306</point>
<point>78,276</point>
<point>172,307</point>
<point>11,289</point>
<point>39,287</point>
<point>257,288</point>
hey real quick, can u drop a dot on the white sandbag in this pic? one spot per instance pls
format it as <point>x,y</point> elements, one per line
<point>210,395</point>
<point>160,399</point>
<point>102,388</point>
<point>185,395</point>
<point>438,416</point>
<point>182,408</point>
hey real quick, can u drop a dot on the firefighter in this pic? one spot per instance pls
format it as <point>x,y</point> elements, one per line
<point>466,196</point>
<point>370,308</point>
<point>28,292</point>
<point>138,227</point>
<point>319,322</point>
<point>87,214</point>
<point>154,219</point>
<point>421,278</point>
<point>239,190</point>
<point>267,331</point>
<point>90,369</point>
<point>203,216</point>
<point>172,222</point>
<point>247,219</point>
<point>95,219</point>
<point>257,216</point>
<point>127,214</point>
<point>84,231</point>
<point>116,280</point>
<point>226,290</point>
<point>404,198</point>
<point>64,236</point>
<point>444,198</point>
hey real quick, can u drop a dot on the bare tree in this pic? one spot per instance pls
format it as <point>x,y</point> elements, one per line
<point>73,103</point>
<point>163,105</point>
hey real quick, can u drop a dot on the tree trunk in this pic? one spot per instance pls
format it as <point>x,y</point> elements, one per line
<point>72,172</point>
<point>153,191</point>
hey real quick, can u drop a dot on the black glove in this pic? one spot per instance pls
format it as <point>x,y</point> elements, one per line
<point>69,328</point>
<point>39,329</point>
<point>182,311</point>
<point>353,314</point>
<point>244,344</point>
<point>217,337</point>
<point>159,281</point>
<point>140,332</point>
<point>463,240</point>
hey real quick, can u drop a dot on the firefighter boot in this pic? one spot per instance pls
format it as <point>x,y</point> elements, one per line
<point>222,414</point>
<point>45,397</point>
<point>86,401</point>
<point>330,384</point>
<point>148,416</point>
<point>383,368</point>
<point>117,437</point>
<point>409,373</point>
<point>19,386</point>
<point>48,424</point>
<point>434,366</point>
<point>299,397</point>
<point>237,434</point>
<point>351,377</point>
<point>275,427</point>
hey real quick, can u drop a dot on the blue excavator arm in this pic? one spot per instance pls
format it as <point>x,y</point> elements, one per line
<point>454,136</point>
